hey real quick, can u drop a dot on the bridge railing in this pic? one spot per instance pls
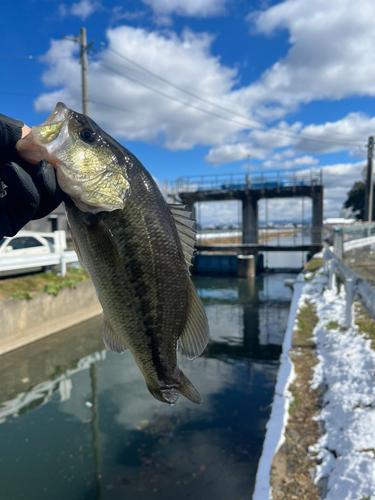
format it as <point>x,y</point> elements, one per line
<point>263,179</point>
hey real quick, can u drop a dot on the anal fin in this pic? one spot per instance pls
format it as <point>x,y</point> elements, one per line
<point>187,389</point>
<point>113,341</point>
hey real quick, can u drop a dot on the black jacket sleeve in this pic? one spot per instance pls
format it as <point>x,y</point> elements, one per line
<point>10,132</point>
<point>26,191</point>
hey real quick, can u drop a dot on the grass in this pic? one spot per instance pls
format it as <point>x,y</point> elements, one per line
<point>24,287</point>
<point>313,265</point>
<point>306,321</point>
<point>291,469</point>
<point>332,325</point>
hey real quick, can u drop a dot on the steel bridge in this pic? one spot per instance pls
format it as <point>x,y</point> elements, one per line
<point>249,189</point>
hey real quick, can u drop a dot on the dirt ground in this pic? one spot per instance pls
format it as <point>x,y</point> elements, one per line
<point>291,469</point>
<point>291,473</point>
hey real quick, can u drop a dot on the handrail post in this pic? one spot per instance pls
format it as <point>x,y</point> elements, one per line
<point>62,265</point>
<point>325,262</point>
<point>349,307</point>
<point>338,242</point>
<point>332,275</point>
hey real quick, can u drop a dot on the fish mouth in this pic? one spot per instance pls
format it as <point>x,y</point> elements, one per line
<point>61,112</point>
<point>43,139</point>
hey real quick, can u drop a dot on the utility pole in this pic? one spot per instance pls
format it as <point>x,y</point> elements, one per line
<point>83,55</point>
<point>82,40</point>
<point>369,181</point>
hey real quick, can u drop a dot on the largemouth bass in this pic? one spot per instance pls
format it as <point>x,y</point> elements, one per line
<point>136,248</point>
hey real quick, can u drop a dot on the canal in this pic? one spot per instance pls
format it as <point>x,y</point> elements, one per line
<point>77,421</point>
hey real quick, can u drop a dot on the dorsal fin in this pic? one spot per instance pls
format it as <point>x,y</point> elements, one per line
<point>184,225</point>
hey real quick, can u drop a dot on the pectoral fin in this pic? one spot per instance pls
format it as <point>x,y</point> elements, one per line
<point>195,335</point>
<point>77,250</point>
<point>101,238</point>
<point>113,341</point>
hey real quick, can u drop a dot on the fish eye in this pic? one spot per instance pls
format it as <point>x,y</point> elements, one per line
<point>87,135</point>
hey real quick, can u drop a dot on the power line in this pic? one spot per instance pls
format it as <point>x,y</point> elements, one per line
<point>181,89</point>
<point>163,94</point>
<point>261,128</point>
<point>257,125</point>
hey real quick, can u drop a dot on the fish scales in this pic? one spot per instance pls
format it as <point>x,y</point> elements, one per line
<point>148,284</point>
<point>134,246</point>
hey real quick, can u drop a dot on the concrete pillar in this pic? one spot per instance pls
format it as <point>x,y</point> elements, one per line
<point>250,220</point>
<point>317,217</point>
<point>246,266</point>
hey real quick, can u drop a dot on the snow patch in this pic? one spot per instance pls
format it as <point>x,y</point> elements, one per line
<point>346,374</point>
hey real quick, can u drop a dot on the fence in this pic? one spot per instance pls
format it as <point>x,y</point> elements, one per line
<point>355,286</point>
<point>355,246</point>
<point>254,180</point>
<point>28,262</point>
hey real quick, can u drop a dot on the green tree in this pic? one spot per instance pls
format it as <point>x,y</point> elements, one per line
<point>356,200</point>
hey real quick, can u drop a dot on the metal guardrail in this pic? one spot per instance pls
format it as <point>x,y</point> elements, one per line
<point>255,180</point>
<point>355,246</point>
<point>355,286</point>
<point>31,261</point>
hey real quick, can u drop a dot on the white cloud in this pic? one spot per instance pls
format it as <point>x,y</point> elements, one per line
<point>82,9</point>
<point>118,13</point>
<point>314,68</point>
<point>330,57</point>
<point>133,112</point>
<point>191,8</point>
<point>347,134</point>
<point>300,161</point>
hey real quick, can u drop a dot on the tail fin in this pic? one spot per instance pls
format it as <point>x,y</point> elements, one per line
<point>170,394</point>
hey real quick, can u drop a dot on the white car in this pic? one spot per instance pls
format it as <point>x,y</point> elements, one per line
<point>28,244</point>
<point>24,243</point>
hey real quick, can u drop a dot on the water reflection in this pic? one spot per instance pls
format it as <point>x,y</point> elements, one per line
<point>78,421</point>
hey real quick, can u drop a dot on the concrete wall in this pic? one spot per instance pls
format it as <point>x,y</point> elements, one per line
<point>215,264</point>
<point>25,321</point>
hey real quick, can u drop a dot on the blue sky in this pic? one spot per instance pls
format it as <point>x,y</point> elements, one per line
<point>296,79</point>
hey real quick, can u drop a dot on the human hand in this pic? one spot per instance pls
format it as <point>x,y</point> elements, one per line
<point>27,191</point>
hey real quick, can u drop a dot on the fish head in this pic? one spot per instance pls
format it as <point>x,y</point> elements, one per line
<point>86,159</point>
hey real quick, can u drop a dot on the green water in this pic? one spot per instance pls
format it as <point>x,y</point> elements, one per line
<point>77,421</point>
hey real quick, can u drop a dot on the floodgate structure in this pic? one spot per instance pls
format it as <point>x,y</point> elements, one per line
<point>249,190</point>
